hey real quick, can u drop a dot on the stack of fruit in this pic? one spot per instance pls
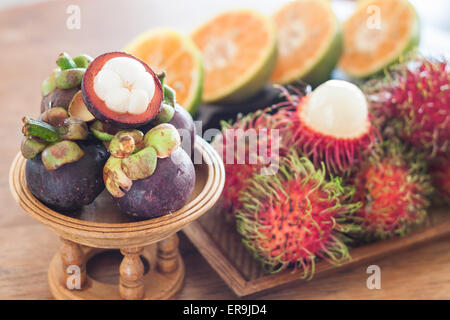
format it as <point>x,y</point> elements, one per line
<point>354,166</point>
<point>109,121</point>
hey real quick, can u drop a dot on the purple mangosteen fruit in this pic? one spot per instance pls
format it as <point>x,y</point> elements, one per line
<point>182,120</point>
<point>65,163</point>
<point>149,175</point>
<point>167,190</point>
<point>72,185</point>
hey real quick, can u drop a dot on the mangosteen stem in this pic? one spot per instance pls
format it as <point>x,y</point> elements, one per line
<point>65,61</point>
<point>161,76</point>
<point>169,95</point>
<point>39,129</point>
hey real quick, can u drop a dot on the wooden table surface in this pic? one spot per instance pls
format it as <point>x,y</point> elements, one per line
<point>30,39</point>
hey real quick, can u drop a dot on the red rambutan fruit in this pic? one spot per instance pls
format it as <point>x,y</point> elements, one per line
<point>296,216</point>
<point>440,177</point>
<point>249,145</point>
<point>332,125</point>
<point>392,186</point>
<point>414,99</point>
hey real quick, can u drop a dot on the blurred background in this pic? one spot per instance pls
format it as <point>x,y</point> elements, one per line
<point>433,14</point>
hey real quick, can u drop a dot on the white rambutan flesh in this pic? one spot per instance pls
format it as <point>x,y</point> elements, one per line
<point>337,108</point>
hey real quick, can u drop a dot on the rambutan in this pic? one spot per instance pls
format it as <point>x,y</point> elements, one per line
<point>392,186</point>
<point>440,177</point>
<point>296,216</point>
<point>249,145</point>
<point>414,100</point>
<point>332,125</point>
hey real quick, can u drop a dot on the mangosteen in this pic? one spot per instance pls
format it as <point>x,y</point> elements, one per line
<point>182,120</point>
<point>167,190</point>
<point>121,90</point>
<point>65,162</point>
<point>149,175</point>
<point>72,185</point>
<point>60,87</point>
<point>58,98</point>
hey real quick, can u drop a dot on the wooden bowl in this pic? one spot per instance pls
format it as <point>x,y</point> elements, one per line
<point>102,225</point>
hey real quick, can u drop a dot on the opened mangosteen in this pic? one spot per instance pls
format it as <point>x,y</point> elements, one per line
<point>64,166</point>
<point>59,88</point>
<point>149,175</point>
<point>121,90</point>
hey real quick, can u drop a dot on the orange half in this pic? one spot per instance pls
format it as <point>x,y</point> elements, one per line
<point>239,53</point>
<point>169,51</point>
<point>376,35</point>
<point>309,42</point>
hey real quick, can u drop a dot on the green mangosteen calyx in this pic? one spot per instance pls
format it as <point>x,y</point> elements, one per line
<point>165,114</point>
<point>125,143</point>
<point>103,131</point>
<point>164,138</point>
<point>77,108</point>
<point>60,86</point>
<point>53,137</point>
<point>134,156</point>
<point>61,153</point>
<point>169,95</point>
<point>68,74</point>
<point>116,181</point>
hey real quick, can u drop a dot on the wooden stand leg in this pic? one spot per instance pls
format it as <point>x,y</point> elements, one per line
<point>131,284</point>
<point>73,264</point>
<point>167,261</point>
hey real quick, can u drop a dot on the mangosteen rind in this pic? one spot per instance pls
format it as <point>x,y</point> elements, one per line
<point>58,98</point>
<point>94,103</point>
<point>167,190</point>
<point>74,184</point>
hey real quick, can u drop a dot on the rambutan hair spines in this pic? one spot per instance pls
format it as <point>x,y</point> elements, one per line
<point>296,216</point>
<point>393,187</point>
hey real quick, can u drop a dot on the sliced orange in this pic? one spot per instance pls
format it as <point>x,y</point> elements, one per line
<point>309,42</point>
<point>371,45</point>
<point>239,53</point>
<point>169,51</point>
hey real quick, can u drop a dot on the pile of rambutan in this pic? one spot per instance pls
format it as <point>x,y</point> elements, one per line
<point>248,146</point>
<point>412,102</point>
<point>354,165</point>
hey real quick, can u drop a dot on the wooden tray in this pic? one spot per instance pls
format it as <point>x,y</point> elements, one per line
<point>220,244</point>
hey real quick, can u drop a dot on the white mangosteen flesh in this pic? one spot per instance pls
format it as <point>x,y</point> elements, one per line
<point>125,85</point>
<point>337,108</point>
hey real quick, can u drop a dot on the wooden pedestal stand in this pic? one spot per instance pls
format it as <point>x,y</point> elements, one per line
<point>101,226</point>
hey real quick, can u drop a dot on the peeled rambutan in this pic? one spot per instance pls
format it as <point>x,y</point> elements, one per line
<point>414,100</point>
<point>296,216</point>
<point>440,177</point>
<point>332,125</point>
<point>392,186</point>
<point>251,144</point>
